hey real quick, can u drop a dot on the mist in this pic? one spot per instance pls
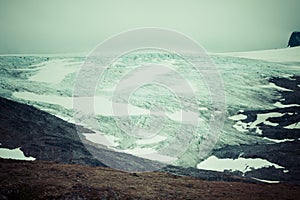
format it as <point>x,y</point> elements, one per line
<point>78,26</point>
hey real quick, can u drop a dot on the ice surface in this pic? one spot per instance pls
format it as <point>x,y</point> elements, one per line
<point>49,85</point>
<point>149,153</point>
<point>48,72</point>
<point>65,102</point>
<point>100,138</point>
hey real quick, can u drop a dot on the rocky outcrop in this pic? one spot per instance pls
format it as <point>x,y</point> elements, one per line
<point>41,135</point>
<point>285,154</point>
<point>286,151</point>
<point>47,137</point>
<point>294,39</point>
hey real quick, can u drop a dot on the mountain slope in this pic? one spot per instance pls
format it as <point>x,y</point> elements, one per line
<point>46,137</point>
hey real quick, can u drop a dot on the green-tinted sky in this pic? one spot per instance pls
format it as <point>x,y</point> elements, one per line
<point>57,26</point>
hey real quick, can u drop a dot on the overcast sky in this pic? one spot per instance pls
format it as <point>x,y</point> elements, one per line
<point>57,26</point>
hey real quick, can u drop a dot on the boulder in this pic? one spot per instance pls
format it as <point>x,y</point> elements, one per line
<point>294,39</point>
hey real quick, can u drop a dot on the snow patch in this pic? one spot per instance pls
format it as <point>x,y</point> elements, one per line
<point>280,105</point>
<point>240,164</point>
<point>241,126</point>
<point>16,154</point>
<point>265,181</point>
<point>238,117</point>
<point>278,141</point>
<point>270,123</point>
<point>293,126</point>
<point>261,118</point>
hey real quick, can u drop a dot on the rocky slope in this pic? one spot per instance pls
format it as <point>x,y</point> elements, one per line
<point>46,137</point>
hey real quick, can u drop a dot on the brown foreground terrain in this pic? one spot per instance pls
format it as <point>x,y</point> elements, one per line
<point>49,180</point>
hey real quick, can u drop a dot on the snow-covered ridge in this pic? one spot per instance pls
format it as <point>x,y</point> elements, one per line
<point>273,55</point>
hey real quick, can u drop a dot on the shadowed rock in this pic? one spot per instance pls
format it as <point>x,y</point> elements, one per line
<point>294,39</point>
<point>47,137</point>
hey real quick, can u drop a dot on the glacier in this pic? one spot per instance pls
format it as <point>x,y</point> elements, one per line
<point>47,82</point>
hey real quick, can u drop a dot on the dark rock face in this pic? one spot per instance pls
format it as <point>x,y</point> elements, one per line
<point>294,39</point>
<point>46,137</point>
<point>41,135</point>
<point>285,153</point>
